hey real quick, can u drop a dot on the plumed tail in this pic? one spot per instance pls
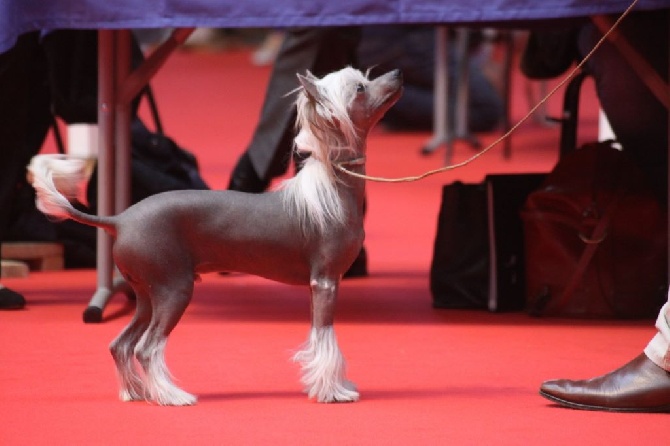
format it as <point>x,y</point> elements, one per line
<point>45,172</point>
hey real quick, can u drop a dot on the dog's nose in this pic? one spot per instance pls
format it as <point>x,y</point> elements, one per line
<point>397,74</point>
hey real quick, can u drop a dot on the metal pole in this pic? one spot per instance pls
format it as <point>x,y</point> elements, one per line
<point>440,88</point>
<point>123,151</point>
<point>106,114</point>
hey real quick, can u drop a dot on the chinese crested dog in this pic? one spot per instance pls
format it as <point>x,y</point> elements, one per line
<point>308,231</point>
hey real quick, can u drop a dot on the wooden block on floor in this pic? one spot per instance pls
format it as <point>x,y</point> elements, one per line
<point>14,268</point>
<point>39,256</point>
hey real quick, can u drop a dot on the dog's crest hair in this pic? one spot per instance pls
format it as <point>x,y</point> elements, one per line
<point>327,134</point>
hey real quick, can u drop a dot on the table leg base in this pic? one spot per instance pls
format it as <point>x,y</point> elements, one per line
<point>94,311</point>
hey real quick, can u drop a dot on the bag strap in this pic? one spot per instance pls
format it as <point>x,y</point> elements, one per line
<point>153,108</point>
<point>598,235</point>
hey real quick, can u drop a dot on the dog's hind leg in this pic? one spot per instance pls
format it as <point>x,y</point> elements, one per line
<point>169,304</point>
<point>323,365</point>
<point>123,348</point>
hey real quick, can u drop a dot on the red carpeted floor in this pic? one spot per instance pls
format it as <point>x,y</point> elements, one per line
<point>425,376</point>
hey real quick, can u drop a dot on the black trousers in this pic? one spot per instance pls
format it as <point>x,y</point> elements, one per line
<point>638,119</point>
<point>24,116</point>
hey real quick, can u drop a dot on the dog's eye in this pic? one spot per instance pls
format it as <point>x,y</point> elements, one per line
<point>360,88</point>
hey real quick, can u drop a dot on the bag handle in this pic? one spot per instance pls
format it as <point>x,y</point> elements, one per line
<point>153,108</point>
<point>598,235</point>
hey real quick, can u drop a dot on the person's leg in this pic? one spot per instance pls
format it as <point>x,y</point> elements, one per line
<point>320,50</point>
<point>639,120</point>
<point>24,120</point>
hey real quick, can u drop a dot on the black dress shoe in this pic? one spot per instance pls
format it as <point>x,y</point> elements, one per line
<point>360,266</point>
<point>639,386</point>
<point>11,300</point>
<point>245,179</point>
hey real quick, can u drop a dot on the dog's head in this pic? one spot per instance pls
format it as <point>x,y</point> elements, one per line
<point>335,114</point>
<point>347,101</point>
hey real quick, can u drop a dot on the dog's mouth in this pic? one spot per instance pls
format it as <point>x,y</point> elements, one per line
<point>393,97</point>
<point>387,102</point>
<point>391,83</point>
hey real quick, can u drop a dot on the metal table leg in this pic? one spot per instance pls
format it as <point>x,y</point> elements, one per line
<point>446,132</point>
<point>441,88</point>
<point>118,85</point>
<point>113,45</point>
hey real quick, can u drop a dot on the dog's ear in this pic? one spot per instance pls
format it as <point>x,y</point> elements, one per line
<point>309,84</point>
<point>320,101</point>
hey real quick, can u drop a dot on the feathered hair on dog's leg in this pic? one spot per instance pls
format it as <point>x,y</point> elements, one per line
<point>160,388</point>
<point>324,368</point>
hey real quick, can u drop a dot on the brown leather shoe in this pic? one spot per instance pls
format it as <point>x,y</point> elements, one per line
<point>639,386</point>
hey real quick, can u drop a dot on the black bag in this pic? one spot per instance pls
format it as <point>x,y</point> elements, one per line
<point>478,253</point>
<point>460,265</point>
<point>158,165</point>
<point>596,239</point>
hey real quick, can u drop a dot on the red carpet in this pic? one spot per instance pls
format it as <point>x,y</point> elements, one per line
<point>425,376</point>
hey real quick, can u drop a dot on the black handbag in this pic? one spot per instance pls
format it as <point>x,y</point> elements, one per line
<point>478,251</point>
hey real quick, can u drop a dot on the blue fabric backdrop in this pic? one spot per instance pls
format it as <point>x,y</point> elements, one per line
<point>19,16</point>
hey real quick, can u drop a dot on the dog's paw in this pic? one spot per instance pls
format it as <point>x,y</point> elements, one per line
<point>131,387</point>
<point>127,396</point>
<point>175,397</point>
<point>341,393</point>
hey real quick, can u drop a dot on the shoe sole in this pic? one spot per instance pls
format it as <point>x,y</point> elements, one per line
<point>571,405</point>
<point>12,307</point>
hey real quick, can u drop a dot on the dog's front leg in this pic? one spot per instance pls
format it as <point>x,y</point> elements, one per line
<point>323,366</point>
